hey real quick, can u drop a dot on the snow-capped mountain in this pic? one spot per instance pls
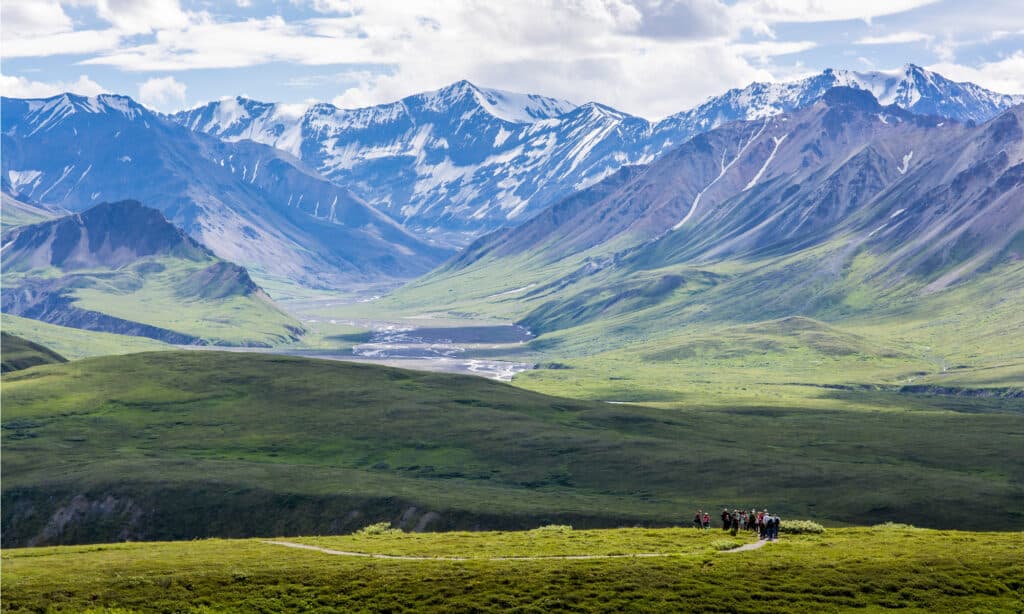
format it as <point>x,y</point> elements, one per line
<point>912,88</point>
<point>463,160</point>
<point>842,194</point>
<point>249,203</point>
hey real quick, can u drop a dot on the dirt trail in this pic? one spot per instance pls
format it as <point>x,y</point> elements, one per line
<point>745,547</point>
<point>557,557</point>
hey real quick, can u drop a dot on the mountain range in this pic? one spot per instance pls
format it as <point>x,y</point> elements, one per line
<point>465,160</point>
<point>332,198</point>
<point>249,203</point>
<point>829,211</point>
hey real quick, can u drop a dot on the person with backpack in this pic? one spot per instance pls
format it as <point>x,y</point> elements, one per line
<point>698,520</point>
<point>765,519</point>
<point>707,521</point>
<point>726,519</point>
<point>776,521</point>
<point>735,525</point>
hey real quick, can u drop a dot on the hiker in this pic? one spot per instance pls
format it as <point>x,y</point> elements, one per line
<point>752,521</point>
<point>726,519</point>
<point>765,519</point>
<point>698,520</point>
<point>735,521</point>
<point>707,521</point>
<point>776,521</point>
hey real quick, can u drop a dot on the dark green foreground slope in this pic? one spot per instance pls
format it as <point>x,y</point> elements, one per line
<point>19,353</point>
<point>174,445</point>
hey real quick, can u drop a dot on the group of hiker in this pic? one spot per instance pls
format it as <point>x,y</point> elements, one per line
<point>766,525</point>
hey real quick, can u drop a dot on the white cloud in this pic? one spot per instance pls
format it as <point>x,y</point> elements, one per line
<point>761,14</point>
<point>141,16</point>
<point>650,57</point>
<point>20,87</point>
<point>1005,76</point>
<point>41,28</point>
<point>63,43</point>
<point>896,38</point>
<point>162,93</point>
<point>591,49</point>
<point>35,18</point>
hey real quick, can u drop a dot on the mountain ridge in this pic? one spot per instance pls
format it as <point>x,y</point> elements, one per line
<point>248,202</point>
<point>436,176</point>
<point>843,197</point>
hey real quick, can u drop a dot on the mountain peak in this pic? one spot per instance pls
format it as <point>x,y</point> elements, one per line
<point>459,87</point>
<point>511,107</point>
<point>601,110</point>
<point>110,234</point>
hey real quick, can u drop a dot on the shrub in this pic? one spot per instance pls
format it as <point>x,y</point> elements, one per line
<point>555,528</point>
<point>797,527</point>
<point>895,526</point>
<point>380,528</point>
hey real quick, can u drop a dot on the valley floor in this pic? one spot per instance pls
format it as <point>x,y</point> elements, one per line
<point>862,569</point>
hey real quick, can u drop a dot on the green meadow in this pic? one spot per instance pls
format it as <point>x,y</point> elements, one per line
<point>177,295</point>
<point>873,569</point>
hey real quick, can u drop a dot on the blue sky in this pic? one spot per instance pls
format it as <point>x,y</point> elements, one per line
<point>648,57</point>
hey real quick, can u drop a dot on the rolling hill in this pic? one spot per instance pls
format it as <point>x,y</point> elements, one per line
<point>123,268</point>
<point>177,445</point>
<point>21,353</point>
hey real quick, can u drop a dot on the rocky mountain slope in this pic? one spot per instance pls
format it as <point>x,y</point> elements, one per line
<point>247,202</point>
<point>123,268</point>
<point>464,160</point>
<point>787,215</point>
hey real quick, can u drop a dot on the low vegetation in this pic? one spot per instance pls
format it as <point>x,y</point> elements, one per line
<point>800,527</point>
<point>866,569</point>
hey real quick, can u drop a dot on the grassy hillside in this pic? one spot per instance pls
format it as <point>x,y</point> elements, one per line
<point>77,343</point>
<point>868,569</point>
<point>178,297</point>
<point>21,353</point>
<point>173,445</point>
<point>745,331</point>
<point>200,300</point>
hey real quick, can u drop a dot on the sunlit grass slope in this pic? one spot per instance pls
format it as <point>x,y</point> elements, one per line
<point>867,569</point>
<point>182,296</point>
<point>75,342</point>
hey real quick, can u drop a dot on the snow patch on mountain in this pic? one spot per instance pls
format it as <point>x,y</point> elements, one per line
<point>777,140</point>
<point>905,164</point>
